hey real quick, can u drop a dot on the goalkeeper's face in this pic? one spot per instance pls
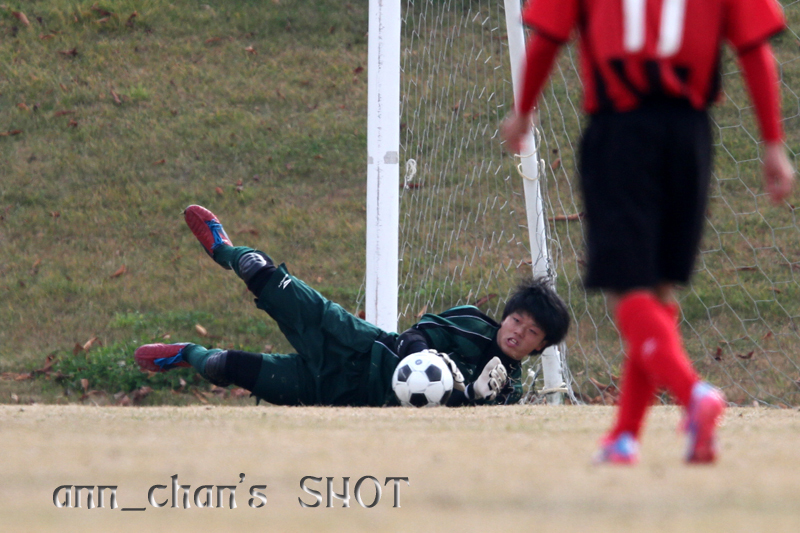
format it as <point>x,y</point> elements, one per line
<point>519,335</point>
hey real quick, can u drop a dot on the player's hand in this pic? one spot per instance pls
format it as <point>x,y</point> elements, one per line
<point>491,381</point>
<point>513,131</point>
<point>458,377</point>
<point>778,172</point>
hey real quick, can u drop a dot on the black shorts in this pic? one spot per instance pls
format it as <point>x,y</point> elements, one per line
<point>645,176</point>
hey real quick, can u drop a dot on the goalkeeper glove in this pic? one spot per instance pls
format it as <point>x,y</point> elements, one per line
<point>491,381</point>
<point>458,377</point>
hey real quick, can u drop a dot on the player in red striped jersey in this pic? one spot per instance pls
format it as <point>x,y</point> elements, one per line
<point>650,70</point>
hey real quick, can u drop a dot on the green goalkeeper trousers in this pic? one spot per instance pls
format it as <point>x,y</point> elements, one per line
<point>340,359</point>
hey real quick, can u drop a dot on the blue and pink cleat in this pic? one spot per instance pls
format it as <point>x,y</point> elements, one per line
<point>705,409</point>
<point>206,227</point>
<point>620,450</point>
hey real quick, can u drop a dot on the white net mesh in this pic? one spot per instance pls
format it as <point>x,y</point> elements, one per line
<point>464,240</point>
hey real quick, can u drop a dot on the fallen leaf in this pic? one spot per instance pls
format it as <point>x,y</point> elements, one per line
<point>20,16</point>
<point>567,218</point>
<point>718,354</point>
<point>84,384</point>
<point>14,398</point>
<point>160,162</point>
<point>124,401</point>
<point>14,376</point>
<point>23,106</point>
<point>219,191</point>
<point>46,36</point>
<point>412,186</point>
<point>72,124</point>
<point>362,315</point>
<point>100,11</point>
<point>601,386</point>
<point>116,97</point>
<point>201,330</point>
<point>748,356</point>
<point>200,397</point>
<point>251,231</point>
<point>10,133</point>
<point>239,392</point>
<point>422,311</point>
<point>102,20</point>
<point>358,70</point>
<point>268,348</point>
<point>55,214</point>
<point>250,50</point>
<point>141,393</point>
<point>485,299</point>
<point>555,164</point>
<point>182,383</point>
<point>120,271</point>
<point>77,349</point>
<point>69,53</point>
<point>88,344</point>
<point>63,112</point>
<point>130,21</point>
<point>745,269</point>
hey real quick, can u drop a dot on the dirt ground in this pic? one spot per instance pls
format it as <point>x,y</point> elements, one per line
<point>482,469</point>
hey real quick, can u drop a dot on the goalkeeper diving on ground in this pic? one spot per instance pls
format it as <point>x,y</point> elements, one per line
<point>342,360</point>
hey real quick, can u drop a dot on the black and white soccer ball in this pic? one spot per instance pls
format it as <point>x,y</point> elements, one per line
<point>422,380</point>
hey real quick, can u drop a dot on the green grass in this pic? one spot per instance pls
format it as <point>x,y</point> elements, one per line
<point>254,109</point>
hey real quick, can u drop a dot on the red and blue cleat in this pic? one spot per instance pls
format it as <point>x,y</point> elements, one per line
<point>206,227</point>
<point>620,450</point>
<point>705,409</point>
<point>160,357</point>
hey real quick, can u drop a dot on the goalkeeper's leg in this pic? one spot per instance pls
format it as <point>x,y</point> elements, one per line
<point>276,378</point>
<point>252,266</point>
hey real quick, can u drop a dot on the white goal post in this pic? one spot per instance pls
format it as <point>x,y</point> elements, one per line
<point>383,149</point>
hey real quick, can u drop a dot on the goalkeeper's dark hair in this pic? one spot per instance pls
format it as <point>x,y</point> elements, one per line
<point>537,298</point>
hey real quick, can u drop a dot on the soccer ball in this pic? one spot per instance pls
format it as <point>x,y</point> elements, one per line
<point>422,380</point>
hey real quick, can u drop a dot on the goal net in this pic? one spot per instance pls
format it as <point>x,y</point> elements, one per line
<point>463,230</point>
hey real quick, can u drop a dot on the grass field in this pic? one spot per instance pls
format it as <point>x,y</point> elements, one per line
<point>489,469</point>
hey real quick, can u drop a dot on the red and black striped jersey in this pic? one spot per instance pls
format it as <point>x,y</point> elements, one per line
<point>634,51</point>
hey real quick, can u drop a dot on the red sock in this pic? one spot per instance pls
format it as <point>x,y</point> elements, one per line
<point>651,334</point>
<point>636,396</point>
